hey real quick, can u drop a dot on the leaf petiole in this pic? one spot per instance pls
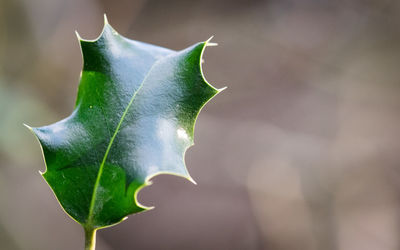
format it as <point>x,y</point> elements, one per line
<point>90,239</point>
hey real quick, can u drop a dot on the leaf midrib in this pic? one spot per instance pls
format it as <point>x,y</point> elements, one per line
<point>89,221</point>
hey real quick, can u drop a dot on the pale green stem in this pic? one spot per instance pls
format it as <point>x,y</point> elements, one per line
<point>90,239</point>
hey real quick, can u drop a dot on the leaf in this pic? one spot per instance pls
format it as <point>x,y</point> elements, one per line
<point>133,119</point>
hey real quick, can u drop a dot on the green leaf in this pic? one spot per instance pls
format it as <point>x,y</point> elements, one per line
<point>133,119</point>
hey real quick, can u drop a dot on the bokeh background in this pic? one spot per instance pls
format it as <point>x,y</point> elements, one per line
<point>301,152</point>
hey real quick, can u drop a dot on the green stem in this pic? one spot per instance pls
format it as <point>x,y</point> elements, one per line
<point>90,239</point>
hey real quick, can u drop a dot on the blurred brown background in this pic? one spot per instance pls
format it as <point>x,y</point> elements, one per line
<point>300,152</point>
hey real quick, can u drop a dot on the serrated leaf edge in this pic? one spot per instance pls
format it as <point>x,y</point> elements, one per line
<point>147,181</point>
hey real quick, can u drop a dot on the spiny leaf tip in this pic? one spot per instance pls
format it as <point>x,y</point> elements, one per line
<point>208,43</point>
<point>105,19</point>
<point>78,36</point>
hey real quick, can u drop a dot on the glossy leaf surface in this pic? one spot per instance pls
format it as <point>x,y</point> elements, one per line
<point>134,118</point>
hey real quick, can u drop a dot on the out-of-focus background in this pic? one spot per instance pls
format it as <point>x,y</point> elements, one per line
<point>301,152</point>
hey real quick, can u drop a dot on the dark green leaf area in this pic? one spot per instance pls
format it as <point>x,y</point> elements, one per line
<point>134,118</point>
<point>117,199</point>
<point>67,186</point>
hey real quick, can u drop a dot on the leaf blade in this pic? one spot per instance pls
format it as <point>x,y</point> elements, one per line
<point>107,150</point>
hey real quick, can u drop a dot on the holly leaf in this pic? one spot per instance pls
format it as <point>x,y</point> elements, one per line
<point>133,119</point>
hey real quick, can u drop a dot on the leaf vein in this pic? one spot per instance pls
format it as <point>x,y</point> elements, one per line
<point>100,172</point>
